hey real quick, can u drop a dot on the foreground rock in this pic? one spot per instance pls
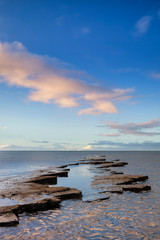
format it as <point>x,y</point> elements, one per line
<point>9,214</point>
<point>41,205</point>
<point>34,195</point>
<point>8,219</point>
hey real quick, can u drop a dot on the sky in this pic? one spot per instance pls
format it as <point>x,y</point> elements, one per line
<point>80,75</point>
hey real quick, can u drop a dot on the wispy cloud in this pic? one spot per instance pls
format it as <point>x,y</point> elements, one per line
<point>43,141</point>
<point>80,31</point>
<point>4,146</point>
<point>110,135</point>
<point>4,127</point>
<point>127,70</point>
<point>59,21</point>
<point>85,30</point>
<point>155,75</point>
<point>142,25</point>
<point>146,145</point>
<point>135,128</point>
<point>49,82</point>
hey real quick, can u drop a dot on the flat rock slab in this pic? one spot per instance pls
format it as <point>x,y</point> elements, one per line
<point>69,194</point>
<point>93,159</point>
<point>136,188</point>
<point>114,190</point>
<point>63,166</point>
<point>73,164</point>
<point>114,164</point>
<point>114,172</point>
<point>10,209</point>
<point>8,219</point>
<point>56,174</point>
<point>44,179</point>
<point>119,179</point>
<point>40,205</point>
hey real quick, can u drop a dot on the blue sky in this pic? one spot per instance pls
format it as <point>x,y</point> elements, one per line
<point>79,75</point>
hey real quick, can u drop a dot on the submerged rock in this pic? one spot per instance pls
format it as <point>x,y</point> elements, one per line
<point>98,199</point>
<point>113,189</point>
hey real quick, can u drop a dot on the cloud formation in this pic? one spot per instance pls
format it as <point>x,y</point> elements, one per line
<point>135,128</point>
<point>146,145</point>
<point>43,141</point>
<point>4,146</point>
<point>86,30</point>
<point>4,127</point>
<point>142,25</point>
<point>49,82</point>
<point>155,75</point>
<point>110,135</point>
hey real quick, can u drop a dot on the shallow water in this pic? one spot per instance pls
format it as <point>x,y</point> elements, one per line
<point>127,216</point>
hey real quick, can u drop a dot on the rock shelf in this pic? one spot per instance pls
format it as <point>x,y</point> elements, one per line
<point>35,193</point>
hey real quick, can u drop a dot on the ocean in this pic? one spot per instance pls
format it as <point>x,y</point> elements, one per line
<point>124,216</point>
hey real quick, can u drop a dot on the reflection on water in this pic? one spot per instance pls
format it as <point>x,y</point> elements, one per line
<point>7,202</point>
<point>128,216</point>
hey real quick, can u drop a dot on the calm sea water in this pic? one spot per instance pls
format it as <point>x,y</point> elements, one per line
<point>127,216</point>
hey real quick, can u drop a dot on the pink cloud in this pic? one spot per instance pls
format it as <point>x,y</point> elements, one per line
<point>110,135</point>
<point>155,75</point>
<point>52,83</point>
<point>135,128</point>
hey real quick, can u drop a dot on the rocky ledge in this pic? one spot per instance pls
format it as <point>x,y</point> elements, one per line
<point>35,193</point>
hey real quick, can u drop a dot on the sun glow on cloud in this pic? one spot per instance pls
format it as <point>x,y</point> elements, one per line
<point>4,146</point>
<point>51,84</point>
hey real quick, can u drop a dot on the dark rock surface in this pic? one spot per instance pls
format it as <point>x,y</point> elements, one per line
<point>135,188</point>
<point>71,193</point>
<point>40,205</point>
<point>56,174</point>
<point>45,179</point>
